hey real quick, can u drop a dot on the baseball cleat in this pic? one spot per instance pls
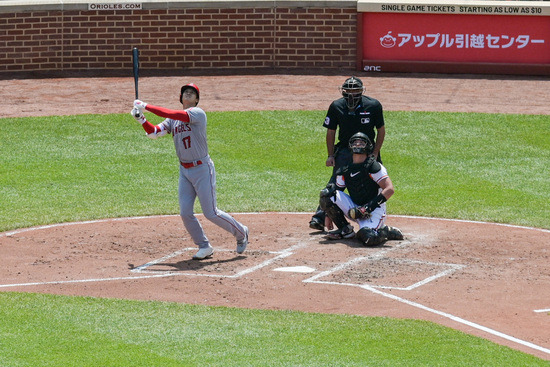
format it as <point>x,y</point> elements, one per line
<point>241,245</point>
<point>346,232</point>
<point>316,224</point>
<point>203,253</point>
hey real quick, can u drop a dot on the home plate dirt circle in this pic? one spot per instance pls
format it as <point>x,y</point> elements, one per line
<point>485,279</point>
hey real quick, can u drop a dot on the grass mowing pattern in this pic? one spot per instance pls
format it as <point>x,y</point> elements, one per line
<point>79,331</point>
<point>487,167</point>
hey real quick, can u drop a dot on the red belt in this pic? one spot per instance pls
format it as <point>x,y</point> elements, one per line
<point>191,164</point>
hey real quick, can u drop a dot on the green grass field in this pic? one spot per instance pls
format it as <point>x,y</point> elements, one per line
<point>487,167</point>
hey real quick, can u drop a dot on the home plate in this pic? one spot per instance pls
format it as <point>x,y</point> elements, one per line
<point>296,269</point>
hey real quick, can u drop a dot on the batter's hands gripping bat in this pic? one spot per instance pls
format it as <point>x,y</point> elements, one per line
<point>135,61</point>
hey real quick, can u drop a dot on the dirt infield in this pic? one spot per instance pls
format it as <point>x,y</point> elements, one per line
<point>400,92</point>
<point>484,279</point>
<point>488,280</point>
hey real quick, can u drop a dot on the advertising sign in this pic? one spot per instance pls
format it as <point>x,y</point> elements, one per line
<point>456,38</point>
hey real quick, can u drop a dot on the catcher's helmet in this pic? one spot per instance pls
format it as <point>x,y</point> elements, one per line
<point>360,143</point>
<point>352,90</point>
<point>192,86</point>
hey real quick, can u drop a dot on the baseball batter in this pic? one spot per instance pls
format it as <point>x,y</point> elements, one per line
<point>197,176</point>
<point>369,187</point>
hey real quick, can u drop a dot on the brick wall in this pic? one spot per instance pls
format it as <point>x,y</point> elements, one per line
<point>178,39</point>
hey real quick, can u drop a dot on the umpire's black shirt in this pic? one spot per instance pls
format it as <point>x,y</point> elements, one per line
<point>367,115</point>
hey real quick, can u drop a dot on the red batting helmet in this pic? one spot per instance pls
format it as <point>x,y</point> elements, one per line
<point>192,86</point>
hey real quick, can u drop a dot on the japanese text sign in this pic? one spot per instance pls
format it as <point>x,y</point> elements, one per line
<point>456,38</point>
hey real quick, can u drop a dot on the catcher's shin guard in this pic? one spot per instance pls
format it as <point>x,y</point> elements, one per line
<point>317,221</point>
<point>391,233</point>
<point>333,212</point>
<point>370,237</point>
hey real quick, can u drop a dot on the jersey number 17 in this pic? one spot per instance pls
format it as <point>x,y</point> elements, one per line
<point>186,142</point>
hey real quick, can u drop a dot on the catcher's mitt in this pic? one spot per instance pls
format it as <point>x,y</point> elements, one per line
<point>359,212</point>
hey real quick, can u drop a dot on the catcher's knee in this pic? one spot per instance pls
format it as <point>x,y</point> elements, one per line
<point>369,237</point>
<point>325,195</point>
<point>325,203</point>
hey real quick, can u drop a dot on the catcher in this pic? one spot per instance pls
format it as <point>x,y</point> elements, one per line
<point>369,187</point>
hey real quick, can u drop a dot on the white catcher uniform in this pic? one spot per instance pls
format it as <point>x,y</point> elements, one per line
<point>197,173</point>
<point>345,203</point>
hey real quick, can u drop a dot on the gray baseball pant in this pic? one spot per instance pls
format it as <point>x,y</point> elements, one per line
<point>200,181</point>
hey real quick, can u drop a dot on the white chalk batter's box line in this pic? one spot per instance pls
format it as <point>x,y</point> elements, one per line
<point>450,268</point>
<point>143,271</point>
<point>150,274</point>
<point>279,255</point>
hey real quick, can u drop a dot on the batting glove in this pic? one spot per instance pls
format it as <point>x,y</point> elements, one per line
<point>140,105</point>
<point>138,115</point>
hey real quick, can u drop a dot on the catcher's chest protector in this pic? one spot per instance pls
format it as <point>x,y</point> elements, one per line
<point>360,185</point>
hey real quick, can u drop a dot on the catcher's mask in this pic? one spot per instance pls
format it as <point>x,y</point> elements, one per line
<point>352,90</point>
<point>191,86</point>
<point>360,143</point>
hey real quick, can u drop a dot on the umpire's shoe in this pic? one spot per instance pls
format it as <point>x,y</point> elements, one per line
<point>203,253</point>
<point>316,224</point>
<point>346,232</point>
<point>391,233</point>
<point>241,245</point>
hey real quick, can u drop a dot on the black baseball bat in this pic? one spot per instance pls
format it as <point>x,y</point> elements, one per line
<point>135,61</point>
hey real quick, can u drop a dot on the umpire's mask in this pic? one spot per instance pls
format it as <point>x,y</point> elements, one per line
<point>352,90</point>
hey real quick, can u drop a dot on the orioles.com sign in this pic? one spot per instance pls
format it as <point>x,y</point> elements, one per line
<point>115,6</point>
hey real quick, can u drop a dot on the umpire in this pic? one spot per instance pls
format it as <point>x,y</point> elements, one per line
<point>352,113</point>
